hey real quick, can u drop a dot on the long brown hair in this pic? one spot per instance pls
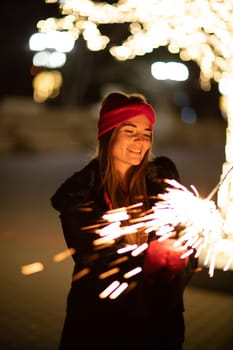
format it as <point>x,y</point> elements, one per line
<point>134,188</point>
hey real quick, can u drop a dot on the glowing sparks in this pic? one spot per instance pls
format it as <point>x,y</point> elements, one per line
<point>82,273</point>
<point>197,221</point>
<point>113,290</point>
<point>39,266</point>
<point>139,249</point>
<point>108,273</point>
<point>32,268</point>
<point>120,214</point>
<point>106,292</point>
<point>126,249</point>
<point>196,224</point>
<point>64,255</point>
<point>118,261</point>
<point>119,290</point>
<point>133,272</point>
<point>178,207</point>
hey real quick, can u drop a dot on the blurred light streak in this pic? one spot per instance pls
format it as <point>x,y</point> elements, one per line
<point>178,212</point>
<point>64,255</point>
<point>82,273</point>
<point>126,249</point>
<point>32,268</point>
<point>119,290</point>
<point>139,249</point>
<point>133,272</point>
<point>118,261</point>
<point>108,273</point>
<point>106,292</point>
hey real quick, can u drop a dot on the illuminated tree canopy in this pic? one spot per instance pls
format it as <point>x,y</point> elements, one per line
<point>199,30</point>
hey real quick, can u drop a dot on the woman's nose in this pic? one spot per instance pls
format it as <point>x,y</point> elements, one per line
<point>139,137</point>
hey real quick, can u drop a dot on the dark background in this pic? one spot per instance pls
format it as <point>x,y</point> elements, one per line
<point>86,72</point>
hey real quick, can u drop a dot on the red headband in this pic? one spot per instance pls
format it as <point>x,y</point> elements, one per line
<point>109,120</point>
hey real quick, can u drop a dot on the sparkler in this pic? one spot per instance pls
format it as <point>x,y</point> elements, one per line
<point>195,223</point>
<point>198,221</point>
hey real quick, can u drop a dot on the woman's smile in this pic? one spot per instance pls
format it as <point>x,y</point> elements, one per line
<point>137,151</point>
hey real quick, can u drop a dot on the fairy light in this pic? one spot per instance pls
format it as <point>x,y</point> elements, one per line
<point>198,30</point>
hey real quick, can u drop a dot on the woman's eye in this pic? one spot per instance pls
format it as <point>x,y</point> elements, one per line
<point>134,132</point>
<point>129,131</point>
<point>147,136</point>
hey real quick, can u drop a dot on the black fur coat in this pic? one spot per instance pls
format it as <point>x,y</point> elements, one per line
<point>153,312</point>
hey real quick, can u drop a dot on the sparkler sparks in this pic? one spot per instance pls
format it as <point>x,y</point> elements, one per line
<point>194,224</point>
<point>32,268</point>
<point>38,266</point>
<point>63,255</point>
<point>198,222</point>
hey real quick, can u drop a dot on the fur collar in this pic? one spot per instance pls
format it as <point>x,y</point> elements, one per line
<point>78,188</point>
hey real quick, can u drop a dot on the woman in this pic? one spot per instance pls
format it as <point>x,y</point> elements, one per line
<point>149,312</point>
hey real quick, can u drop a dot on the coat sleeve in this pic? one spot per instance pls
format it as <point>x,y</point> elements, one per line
<point>74,200</point>
<point>76,236</point>
<point>76,189</point>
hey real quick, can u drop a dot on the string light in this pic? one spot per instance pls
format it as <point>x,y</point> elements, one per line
<point>200,30</point>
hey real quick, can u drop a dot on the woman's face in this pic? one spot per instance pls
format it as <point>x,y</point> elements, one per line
<point>132,140</point>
